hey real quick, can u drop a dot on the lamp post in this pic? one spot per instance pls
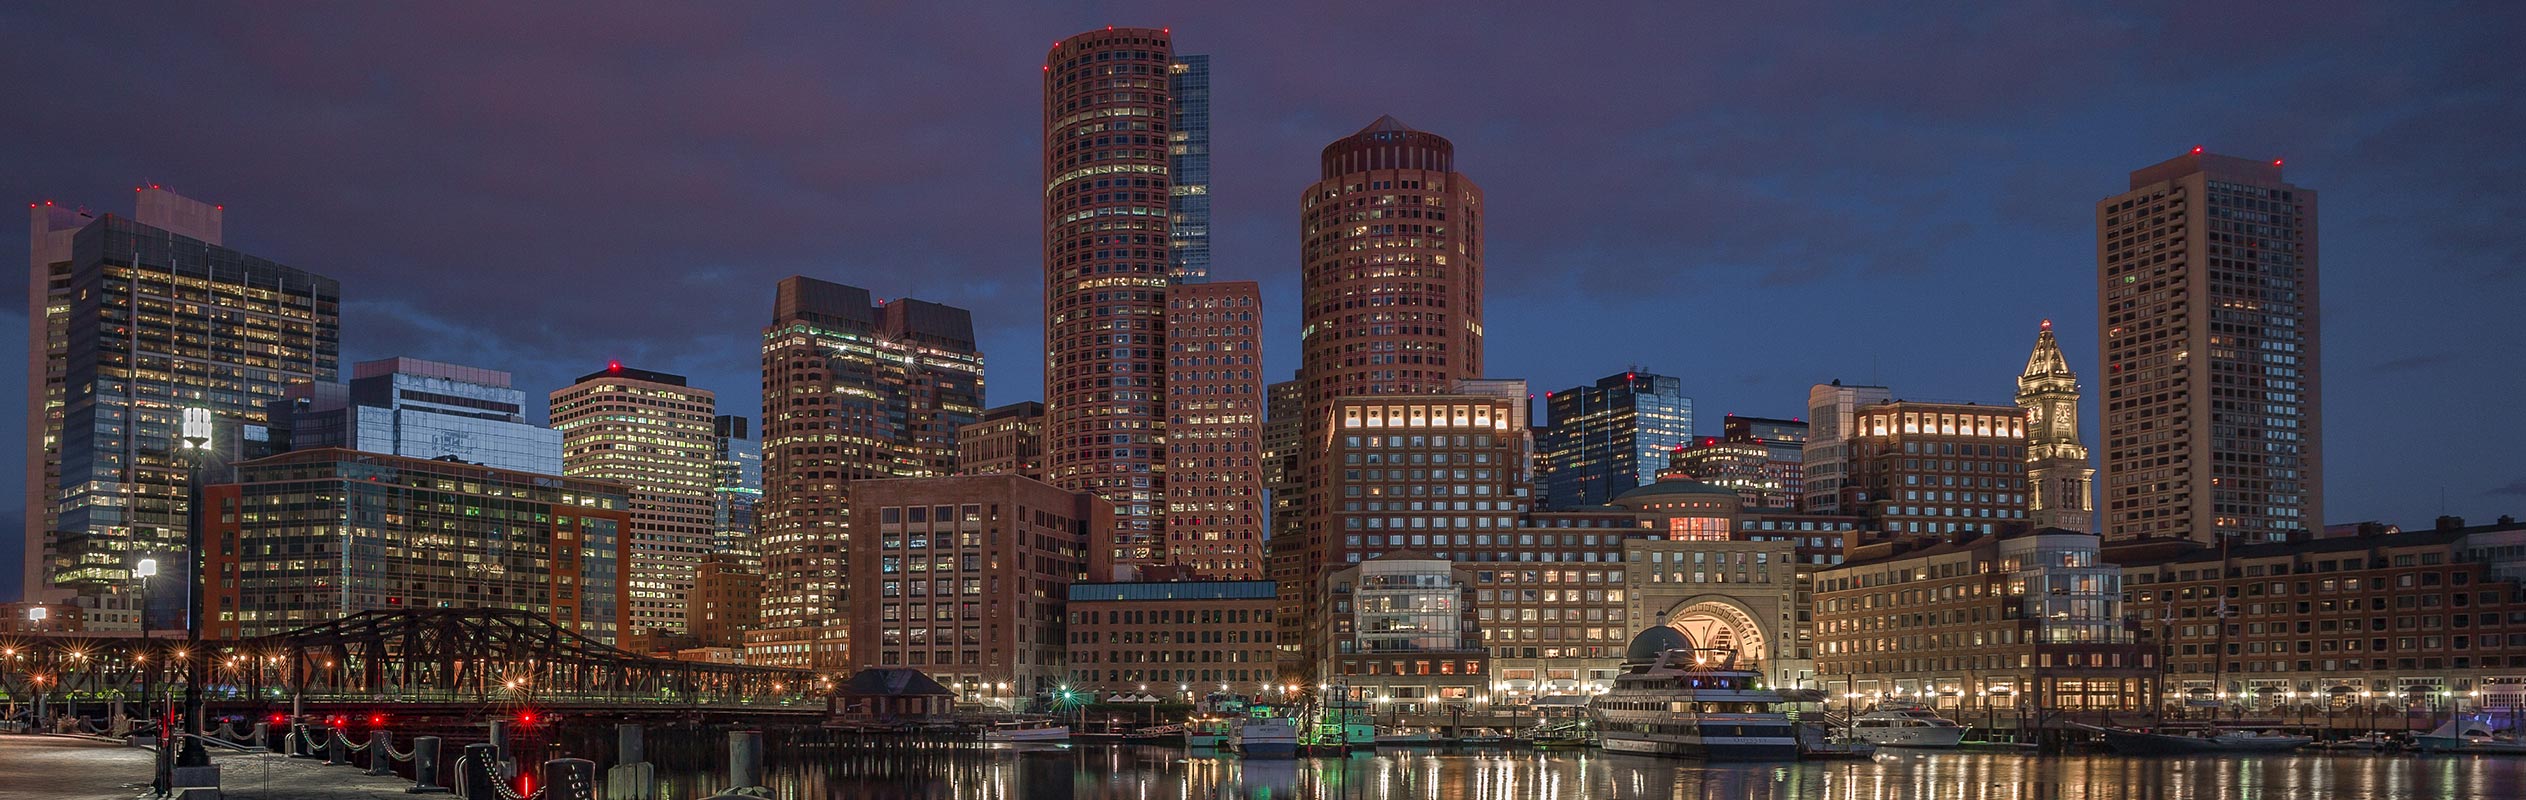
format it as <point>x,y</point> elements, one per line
<point>196,432</point>
<point>147,568</point>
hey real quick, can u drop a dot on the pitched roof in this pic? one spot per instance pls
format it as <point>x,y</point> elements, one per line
<point>1386,123</point>
<point>893,682</point>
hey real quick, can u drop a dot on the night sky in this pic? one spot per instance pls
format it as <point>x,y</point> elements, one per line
<point>1755,199</point>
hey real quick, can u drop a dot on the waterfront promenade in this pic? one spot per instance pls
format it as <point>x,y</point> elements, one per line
<point>85,768</point>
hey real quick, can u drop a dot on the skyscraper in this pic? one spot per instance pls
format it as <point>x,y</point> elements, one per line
<point>852,389</point>
<point>1009,440</point>
<point>2207,309</point>
<point>655,435</point>
<point>1390,243</point>
<point>1188,156</point>
<point>1215,416</point>
<point>1784,441</point>
<point>736,485</point>
<point>423,409</point>
<point>1107,257</point>
<point>1831,412</point>
<point>1283,433</point>
<point>131,320</point>
<point>1613,437</point>
<point>2057,474</point>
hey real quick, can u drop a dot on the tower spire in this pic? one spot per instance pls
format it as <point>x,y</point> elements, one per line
<point>2057,472</point>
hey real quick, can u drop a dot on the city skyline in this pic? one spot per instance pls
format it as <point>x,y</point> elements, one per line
<point>1555,279</point>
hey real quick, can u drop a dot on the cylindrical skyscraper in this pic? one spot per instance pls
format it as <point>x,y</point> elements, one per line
<point>1106,186</point>
<point>1391,247</point>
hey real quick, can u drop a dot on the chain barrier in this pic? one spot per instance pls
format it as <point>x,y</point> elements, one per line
<point>346,742</point>
<point>402,756</point>
<point>501,785</point>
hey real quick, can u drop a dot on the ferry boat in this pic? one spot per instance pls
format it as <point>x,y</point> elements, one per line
<point>1906,726</point>
<point>1263,733</point>
<point>1675,699</point>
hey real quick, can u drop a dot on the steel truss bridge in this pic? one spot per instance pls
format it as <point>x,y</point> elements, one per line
<point>443,659</point>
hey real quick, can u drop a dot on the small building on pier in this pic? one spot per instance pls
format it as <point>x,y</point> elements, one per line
<point>892,694</point>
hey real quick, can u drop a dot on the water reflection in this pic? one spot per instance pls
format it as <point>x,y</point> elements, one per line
<point>1165,774</point>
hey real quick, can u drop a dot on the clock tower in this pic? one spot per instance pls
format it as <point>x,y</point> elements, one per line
<point>2057,473</point>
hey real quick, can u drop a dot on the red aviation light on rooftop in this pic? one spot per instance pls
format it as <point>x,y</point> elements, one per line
<point>2047,324</point>
<point>2196,149</point>
<point>615,365</point>
<point>2275,162</point>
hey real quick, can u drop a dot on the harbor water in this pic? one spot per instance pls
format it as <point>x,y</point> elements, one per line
<point>1156,773</point>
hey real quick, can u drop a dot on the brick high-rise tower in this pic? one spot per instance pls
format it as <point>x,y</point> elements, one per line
<point>852,389</point>
<point>1391,288</point>
<point>2206,305</point>
<point>1215,418</point>
<point>1107,105</point>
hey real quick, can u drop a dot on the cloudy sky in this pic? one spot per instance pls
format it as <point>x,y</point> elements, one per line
<point>1755,197</point>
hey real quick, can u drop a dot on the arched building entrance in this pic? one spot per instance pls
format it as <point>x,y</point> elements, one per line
<point>1716,621</point>
<point>1741,595</point>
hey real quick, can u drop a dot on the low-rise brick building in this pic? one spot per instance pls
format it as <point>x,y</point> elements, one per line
<point>2018,621</point>
<point>966,577</point>
<point>2352,628</point>
<point>1173,637</point>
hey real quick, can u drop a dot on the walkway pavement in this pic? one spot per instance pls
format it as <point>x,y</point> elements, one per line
<point>41,767</point>
<point>36,767</point>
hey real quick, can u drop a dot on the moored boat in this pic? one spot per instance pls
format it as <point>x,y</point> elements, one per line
<point>1036,731</point>
<point>1408,737</point>
<point>1905,725</point>
<point>1264,734</point>
<point>2137,742</point>
<point>1673,698</point>
<point>2467,735</point>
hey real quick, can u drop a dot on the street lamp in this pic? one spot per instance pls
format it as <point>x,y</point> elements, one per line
<point>146,569</point>
<point>196,433</point>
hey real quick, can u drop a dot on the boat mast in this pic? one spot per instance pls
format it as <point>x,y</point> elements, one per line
<point>2219,659</point>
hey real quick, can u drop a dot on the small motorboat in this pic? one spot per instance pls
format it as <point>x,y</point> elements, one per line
<point>1407,737</point>
<point>2136,742</point>
<point>2366,743</point>
<point>1483,737</point>
<point>1037,731</point>
<point>1160,735</point>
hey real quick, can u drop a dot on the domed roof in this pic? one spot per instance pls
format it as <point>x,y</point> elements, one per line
<point>1651,643</point>
<point>1669,486</point>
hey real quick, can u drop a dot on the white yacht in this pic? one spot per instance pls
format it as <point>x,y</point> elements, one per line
<point>1906,726</point>
<point>1675,699</point>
